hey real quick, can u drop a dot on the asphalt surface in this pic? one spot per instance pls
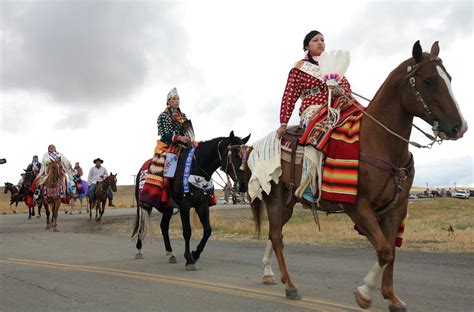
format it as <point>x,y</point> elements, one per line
<point>76,271</point>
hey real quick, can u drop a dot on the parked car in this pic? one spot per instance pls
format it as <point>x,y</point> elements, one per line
<point>461,194</point>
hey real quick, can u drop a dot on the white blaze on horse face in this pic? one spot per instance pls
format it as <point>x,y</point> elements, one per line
<point>443,75</point>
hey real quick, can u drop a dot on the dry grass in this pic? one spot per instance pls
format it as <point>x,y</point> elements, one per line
<point>426,230</point>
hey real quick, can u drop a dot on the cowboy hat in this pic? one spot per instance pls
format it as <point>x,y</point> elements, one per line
<point>98,159</point>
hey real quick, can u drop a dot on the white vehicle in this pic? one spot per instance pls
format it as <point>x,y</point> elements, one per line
<point>461,194</point>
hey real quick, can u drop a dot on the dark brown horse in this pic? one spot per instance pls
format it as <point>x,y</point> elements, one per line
<point>15,196</point>
<point>101,190</point>
<point>420,86</point>
<point>53,190</point>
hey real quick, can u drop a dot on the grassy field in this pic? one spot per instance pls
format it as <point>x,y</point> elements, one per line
<point>426,230</point>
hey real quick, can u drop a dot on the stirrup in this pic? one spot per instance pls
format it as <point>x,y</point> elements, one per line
<point>309,197</point>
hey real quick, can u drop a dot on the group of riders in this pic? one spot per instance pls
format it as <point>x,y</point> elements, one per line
<point>304,82</point>
<point>175,129</point>
<point>72,184</point>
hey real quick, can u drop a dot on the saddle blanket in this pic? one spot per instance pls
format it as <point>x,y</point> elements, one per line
<point>265,164</point>
<point>153,189</point>
<point>340,145</point>
<point>341,166</point>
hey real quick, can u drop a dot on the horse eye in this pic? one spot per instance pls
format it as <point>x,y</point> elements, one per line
<point>428,81</point>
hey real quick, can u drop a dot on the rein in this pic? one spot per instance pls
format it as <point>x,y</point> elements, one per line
<point>229,158</point>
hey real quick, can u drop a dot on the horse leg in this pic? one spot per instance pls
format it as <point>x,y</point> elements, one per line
<point>39,209</point>
<point>364,218</point>
<point>56,205</point>
<point>184,213</point>
<point>390,226</point>
<point>101,207</point>
<point>277,217</point>
<point>48,224</point>
<point>97,208</point>
<point>89,208</point>
<point>165,225</point>
<point>268,275</point>
<point>203,214</point>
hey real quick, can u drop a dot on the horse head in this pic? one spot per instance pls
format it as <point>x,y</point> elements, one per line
<point>428,94</point>
<point>54,171</point>
<point>112,181</point>
<point>8,186</point>
<point>230,150</point>
<point>29,178</point>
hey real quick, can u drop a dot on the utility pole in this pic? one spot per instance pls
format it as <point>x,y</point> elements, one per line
<point>133,192</point>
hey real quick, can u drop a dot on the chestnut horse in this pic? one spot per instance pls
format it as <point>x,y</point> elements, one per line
<point>53,188</point>
<point>421,87</point>
<point>101,190</point>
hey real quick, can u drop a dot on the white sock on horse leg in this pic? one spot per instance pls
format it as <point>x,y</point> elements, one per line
<point>371,280</point>
<point>267,259</point>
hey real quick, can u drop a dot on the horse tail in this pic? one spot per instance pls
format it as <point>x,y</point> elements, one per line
<point>256,204</point>
<point>257,212</point>
<point>142,221</point>
<point>136,228</point>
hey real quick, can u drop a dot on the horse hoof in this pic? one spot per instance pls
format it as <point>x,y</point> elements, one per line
<point>47,228</point>
<point>269,280</point>
<point>172,259</point>
<point>190,267</point>
<point>139,256</point>
<point>397,309</point>
<point>292,293</point>
<point>55,230</point>
<point>38,216</point>
<point>361,301</point>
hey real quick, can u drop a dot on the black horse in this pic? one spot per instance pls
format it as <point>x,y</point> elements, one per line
<point>221,152</point>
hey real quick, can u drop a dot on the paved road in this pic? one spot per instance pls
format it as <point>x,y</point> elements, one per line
<point>77,271</point>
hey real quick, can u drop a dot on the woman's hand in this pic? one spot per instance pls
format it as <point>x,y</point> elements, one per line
<point>281,131</point>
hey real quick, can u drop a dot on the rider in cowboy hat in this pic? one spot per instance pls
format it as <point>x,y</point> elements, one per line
<point>97,174</point>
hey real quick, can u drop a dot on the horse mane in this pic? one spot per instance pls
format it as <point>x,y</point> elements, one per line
<point>203,149</point>
<point>396,71</point>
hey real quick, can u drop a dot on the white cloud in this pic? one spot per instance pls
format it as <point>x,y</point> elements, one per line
<point>95,85</point>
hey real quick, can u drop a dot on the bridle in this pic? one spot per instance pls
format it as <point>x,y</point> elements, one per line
<point>230,148</point>
<point>419,98</point>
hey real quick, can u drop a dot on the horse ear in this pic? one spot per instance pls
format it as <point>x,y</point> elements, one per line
<point>417,52</point>
<point>231,135</point>
<point>246,139</point>
<point>435,49</point>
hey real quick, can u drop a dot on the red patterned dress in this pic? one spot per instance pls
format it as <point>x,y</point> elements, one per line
<point>312,91</point>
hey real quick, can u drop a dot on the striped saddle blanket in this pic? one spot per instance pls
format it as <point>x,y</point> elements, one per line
<point>340,145</point>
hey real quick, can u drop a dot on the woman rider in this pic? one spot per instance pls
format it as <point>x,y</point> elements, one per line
<point>172,135</point>
<point>305,82</point>
<point>66,167</point>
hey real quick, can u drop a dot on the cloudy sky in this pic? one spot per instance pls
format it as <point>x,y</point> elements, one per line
<point>91,77</point>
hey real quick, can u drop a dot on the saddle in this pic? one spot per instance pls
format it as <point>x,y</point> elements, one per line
<point>292,153</point>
